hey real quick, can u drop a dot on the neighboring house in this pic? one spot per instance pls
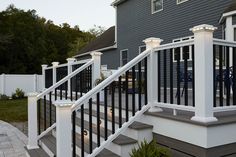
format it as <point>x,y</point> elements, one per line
<point>169,20</point>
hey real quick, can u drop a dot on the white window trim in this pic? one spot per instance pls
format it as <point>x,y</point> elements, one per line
<point>121,59</point>
<point>181,49</point>
<point>153,12</point>
<point>177,2</point>
<point>140,47</point>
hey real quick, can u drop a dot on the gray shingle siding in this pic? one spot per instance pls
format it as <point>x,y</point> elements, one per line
<point>135,21</point>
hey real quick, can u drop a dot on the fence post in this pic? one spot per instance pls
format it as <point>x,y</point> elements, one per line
<point>70,61</point>
<point>32,121</point>
<point>3,84</point>
<point>44,66</point>
<point>152,72</point>
<point>54,72</point>
<point>203,48</point>
<point>64,127</point>
<point>96,67</point>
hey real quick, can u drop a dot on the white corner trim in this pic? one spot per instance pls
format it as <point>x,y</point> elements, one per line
<point>177,2</point>
<point>226,15</point>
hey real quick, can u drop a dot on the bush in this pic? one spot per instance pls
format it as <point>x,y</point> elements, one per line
<point>3,97</point>
<point>19,94</point>
<point>149,150</point>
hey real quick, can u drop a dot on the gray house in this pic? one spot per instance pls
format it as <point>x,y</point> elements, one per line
<point>169,20</point>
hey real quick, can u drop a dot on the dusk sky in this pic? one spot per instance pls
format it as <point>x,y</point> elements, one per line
<point>85,13</point>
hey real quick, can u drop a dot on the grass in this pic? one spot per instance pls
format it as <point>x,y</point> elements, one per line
<point>13,110</point>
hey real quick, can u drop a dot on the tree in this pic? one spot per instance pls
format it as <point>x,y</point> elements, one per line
<point>97,30</point>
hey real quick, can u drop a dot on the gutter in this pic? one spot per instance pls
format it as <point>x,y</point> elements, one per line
<point>98,50</point>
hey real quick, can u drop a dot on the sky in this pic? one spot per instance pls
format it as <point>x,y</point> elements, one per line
<point>85,13</point>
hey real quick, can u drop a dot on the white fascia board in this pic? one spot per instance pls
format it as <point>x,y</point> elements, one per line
<point>226,15</point>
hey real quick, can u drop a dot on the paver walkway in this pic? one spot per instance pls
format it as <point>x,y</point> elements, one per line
<point>12,141</point>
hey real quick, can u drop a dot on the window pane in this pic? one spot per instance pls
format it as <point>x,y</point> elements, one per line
<point>234,34</point>
<point>157,5</point>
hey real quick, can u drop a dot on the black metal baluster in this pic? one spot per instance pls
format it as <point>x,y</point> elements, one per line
<point>71,90</point>
<point>60,92</point>
<point>127,96</point>
<point>66,89</point>
<point>139,85</point>
<point>227,85</point>
<point>133,90</point>
<point>177,50</point>
<point>90,127</point>
<point>113,106</point>
<point>193,76</point>
<point>45,112</point>
<point>120,103</point>
<point>145,81</point>
<point>159,77</point>
<point>171,77</point>
<point>39,116</point>
<point>50,108</point>
<point>98,119</point>
<point>234,76</point>
<point>81,83</point>
<point>76,87</point>
<point>82,130</point>
<point>74,133</point>
<point>186,77</point>
<point>165,77</point>
<point>214,76</point>
<point>221,74</point>
<point>105,113</point>
<point>55,93</point>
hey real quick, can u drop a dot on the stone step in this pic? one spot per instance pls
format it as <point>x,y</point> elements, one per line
<point>36,152</point>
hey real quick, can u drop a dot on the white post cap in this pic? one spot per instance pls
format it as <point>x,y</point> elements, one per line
<point>32,94</point>
<point>152,42</point>
<point>63,103</point>
<point>44,65</point>
<point>54,64</point>
<point>95,53</point>
<point>70,59</point>
<point>203,28</point>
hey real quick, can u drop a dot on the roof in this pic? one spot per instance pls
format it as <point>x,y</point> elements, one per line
<point>106,40</point>
<point>117,2</point>
<point>232,7</point>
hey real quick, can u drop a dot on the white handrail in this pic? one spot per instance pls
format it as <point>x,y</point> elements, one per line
<point>119,131</point>
<point>174,45</point>
<point>81,61</point>
<point>65,79</point>
<point>110,79</point>
<point>62,65</point>
<point>47,131</point>
<point>224,42</point>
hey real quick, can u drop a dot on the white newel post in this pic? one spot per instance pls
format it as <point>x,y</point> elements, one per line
<point>203,48</point>
<point>96,67</point>
<point>64,128</point>
<point>152,72</point>
<point>70,62</point>
<point>44,66</point>
<point>32,121</point>
<point>2,84</point>
<point>54,72</point>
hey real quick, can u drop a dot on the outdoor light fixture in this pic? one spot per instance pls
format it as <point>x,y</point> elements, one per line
<point>85,133</point>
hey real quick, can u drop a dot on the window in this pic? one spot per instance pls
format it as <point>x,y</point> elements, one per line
<point>184,52</point>
<point>123,57</point>
<point>234,34</point>
<point>157,5</point>
<point>142,48</point>
<point>181,1</point>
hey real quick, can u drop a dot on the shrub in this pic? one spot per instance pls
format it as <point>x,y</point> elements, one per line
<point>149,150</point>
<point>19,94</point>
<point>3,97</point>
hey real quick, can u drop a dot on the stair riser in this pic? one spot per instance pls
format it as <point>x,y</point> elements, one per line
<point>139,135</point>
<point>46,149</point>
<point>123,151</point>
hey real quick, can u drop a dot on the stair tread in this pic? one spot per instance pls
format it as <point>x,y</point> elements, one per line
<point>107,153</point>
<point>139,126</point>
<point>50,141</point>
<point>124,140</point>
<point>36,152</point>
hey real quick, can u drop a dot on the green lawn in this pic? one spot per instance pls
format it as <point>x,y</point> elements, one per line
<point>13,110</point>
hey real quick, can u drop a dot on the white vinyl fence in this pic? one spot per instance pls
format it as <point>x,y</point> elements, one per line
<point>28,83</point>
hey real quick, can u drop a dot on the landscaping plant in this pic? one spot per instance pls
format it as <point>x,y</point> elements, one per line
<point>152,149</point>
<point>3,97</point>
<point>19,94</point>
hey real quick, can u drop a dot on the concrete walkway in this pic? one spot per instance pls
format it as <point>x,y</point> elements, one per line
<point>12,141</point>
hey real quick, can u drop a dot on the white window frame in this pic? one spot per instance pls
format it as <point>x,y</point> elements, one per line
<point>183,1</point>
<point>152,7</point>
<point>121,59</point>
<point>140,47</point>
<point>181,49</point>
